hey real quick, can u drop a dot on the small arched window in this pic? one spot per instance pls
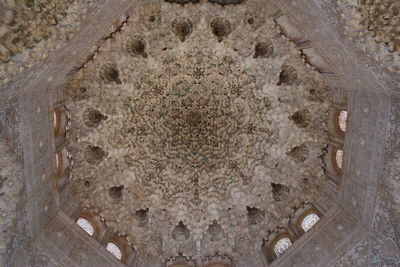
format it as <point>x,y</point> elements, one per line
<point>56,121</point>
<point>115,250</point>
<point>309,221</point>
<point>61,168</point>
<point>342,120</point>
<point>339,159</point>
<point>86,225</point>
<point>121,249</point>
<point>60,121</point>
<point>59,162</point>
<point>282,245</point>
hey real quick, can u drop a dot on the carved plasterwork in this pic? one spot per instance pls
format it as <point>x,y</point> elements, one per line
<point>10,191</point>
<point>374,27</point>
<point>197,131</point>
<point>32,29</point>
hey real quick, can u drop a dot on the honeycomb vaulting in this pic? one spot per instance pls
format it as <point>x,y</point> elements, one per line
<point>374,26</point>
<point>196,129</point>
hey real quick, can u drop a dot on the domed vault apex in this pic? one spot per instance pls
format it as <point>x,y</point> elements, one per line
<point>197,113</point>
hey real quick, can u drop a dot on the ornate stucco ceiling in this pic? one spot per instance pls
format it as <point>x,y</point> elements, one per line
<point>360,229</point>
<point>197,129</point>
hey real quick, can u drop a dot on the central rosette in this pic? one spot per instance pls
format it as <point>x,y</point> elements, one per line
<point>199,123</point>
<point>205,116</point>
<point>193,119</point>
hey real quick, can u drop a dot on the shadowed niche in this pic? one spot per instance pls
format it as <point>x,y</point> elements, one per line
<point>116,192</point>
<point>137,47</point>
<point>263,50</point>
<point>93,117</point>
<point>182,28</point>
<point>142,216</point>
<point>221,28</point>
<point>299,153</point>
<point>288,75</point>
<point>110,73</point>
<point>301,118</point>
<point>279,191</point>
<point>94,155</point>
<point>180,232</point>
<point>255,215</point>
